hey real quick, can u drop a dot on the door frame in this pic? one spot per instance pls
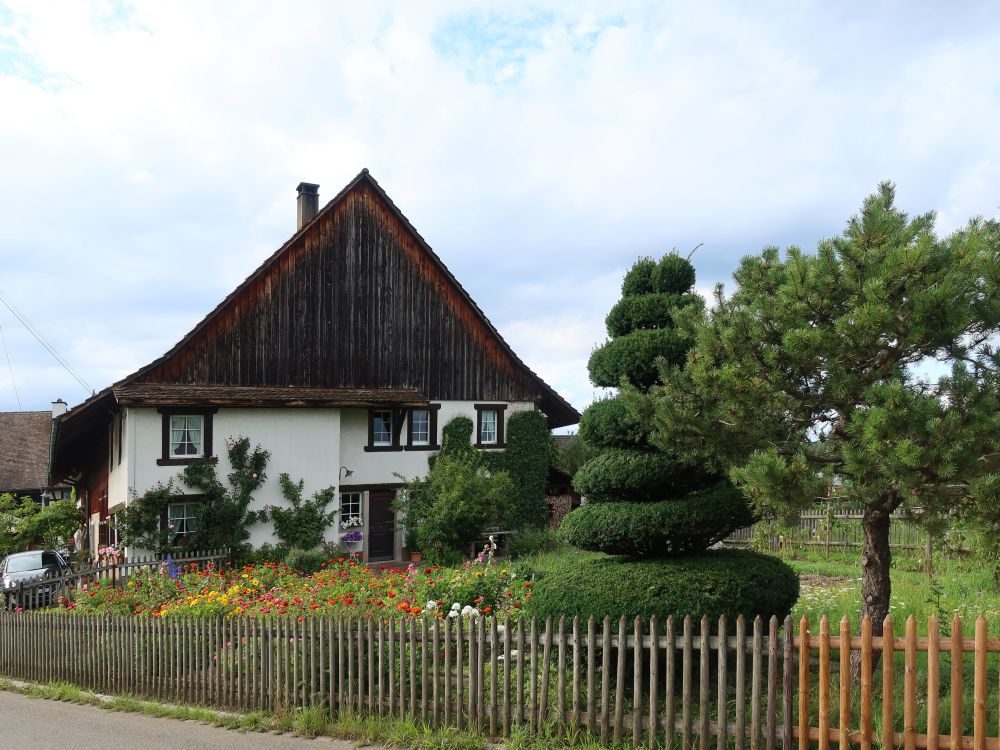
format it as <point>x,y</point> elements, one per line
<point>365,490</point>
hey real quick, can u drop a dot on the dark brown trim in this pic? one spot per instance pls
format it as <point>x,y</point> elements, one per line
<point>121,435</point>
<point>395,427</point>
<point>170,411</point>
<point>432,427</point>
<point>501,437</point>
<point>370,487</point>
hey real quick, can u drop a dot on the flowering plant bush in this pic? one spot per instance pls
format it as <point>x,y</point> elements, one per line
<point>351,522</point>
<point>343,586</point>
<point>352,536</point>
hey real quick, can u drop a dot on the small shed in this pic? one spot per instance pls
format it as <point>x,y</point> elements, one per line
<point>560,496</point>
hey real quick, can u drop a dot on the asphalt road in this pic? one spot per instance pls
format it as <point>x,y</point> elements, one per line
<point>40,724</point>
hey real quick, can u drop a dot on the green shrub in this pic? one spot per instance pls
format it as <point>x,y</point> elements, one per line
<point>301,526</point>
<point>665,529</point>
<point>714,583</point>
<point>639,278</point>
<point>647,311</point>
<point>457,500</point>
<point>633,356</point>
<point>608,424</point>
<point>673,274</point>
<point>530,542</point>
<point>526,459</point>
<point>620,474</point>
<point>456,437</point>
<point>308,561</point>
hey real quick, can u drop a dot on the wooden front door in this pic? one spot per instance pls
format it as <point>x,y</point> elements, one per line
<point>381,526</point>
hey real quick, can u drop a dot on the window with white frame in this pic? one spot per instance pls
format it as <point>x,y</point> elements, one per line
<point>182,518</point>
<point>382,427</point>
<point>350,510</point>
<point>187,435</point>
<point>488,426</point>
<point>420,427</point>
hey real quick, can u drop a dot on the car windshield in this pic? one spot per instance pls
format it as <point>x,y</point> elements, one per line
<point>24,563</point>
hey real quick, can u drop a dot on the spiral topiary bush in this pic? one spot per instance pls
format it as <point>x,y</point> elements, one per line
<point>654,513</point>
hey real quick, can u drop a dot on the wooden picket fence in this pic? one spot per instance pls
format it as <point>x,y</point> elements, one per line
<point>651,684</point>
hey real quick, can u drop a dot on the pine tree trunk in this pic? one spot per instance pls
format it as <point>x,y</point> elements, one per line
<point>876,587</point>
<point>876,556</point>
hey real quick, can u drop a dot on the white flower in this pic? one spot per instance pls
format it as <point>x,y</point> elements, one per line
<point>431,604</point>
<point>469,611</point>
<point>455,607</point>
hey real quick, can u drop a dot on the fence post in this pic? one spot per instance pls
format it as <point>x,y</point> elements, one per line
<point>956,681</point>
<point>933,683</point>
<point>786,685</point>
<point>844,714</point>
<point>979,687</point>
<point>888,684</point>
<point>804,684</point>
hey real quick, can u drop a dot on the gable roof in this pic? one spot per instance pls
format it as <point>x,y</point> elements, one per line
<point>238,345</point>
<point>24,450</point>
<point>559,411</point>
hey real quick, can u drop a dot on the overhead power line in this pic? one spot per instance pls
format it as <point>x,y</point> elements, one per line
<point>10,366</point>
<point>41,340</point>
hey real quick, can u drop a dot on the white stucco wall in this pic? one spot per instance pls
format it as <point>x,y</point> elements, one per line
<point>118,480</point>
<point>304,443</point>
<point>308,444</point>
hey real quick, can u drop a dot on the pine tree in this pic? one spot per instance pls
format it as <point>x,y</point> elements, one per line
<point>816,368</point>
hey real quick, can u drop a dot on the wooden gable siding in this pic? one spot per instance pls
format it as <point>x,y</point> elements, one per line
<point>355,301</point>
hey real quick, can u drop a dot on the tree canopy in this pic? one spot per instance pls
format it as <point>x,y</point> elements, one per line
<point>829,366</point>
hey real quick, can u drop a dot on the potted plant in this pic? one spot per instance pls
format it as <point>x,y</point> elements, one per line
<point>353,540</point>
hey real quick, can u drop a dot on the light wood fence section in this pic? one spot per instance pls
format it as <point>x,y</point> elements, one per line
<point>747,685</point>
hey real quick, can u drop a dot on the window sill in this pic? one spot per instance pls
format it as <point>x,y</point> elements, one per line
<point>184,461</point>
<point>488,446</point>
<point>422,447</point>
<point>382,448</point>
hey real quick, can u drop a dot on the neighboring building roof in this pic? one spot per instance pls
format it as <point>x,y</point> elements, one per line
<point>562,441</point>
<point>24,450</point>
<point>228,395</point>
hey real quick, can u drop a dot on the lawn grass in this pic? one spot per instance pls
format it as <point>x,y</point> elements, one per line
<point>832,587</point>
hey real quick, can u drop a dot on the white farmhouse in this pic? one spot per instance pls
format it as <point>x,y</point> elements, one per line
<point>344,355</point>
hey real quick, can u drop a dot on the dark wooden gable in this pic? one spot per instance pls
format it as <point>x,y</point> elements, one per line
<point>356,299</point>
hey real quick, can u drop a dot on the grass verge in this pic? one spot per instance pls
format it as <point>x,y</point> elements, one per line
<point>313,722</point>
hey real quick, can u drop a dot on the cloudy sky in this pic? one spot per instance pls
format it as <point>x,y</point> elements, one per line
<point>149,151</point>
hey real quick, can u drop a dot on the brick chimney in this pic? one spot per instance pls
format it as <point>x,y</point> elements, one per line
<point>308,203</point>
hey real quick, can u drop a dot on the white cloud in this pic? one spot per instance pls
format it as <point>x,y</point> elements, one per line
<point>151,150</point>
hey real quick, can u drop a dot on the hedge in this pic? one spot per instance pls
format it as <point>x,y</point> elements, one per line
<point>633,356</point>
<point>620,474</point>
<point>665,529</point>
<point>526,459</point>
<point>714,583</point>
<point>608,424</point>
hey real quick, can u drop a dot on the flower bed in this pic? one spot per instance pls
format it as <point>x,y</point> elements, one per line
<point>342,587</point>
